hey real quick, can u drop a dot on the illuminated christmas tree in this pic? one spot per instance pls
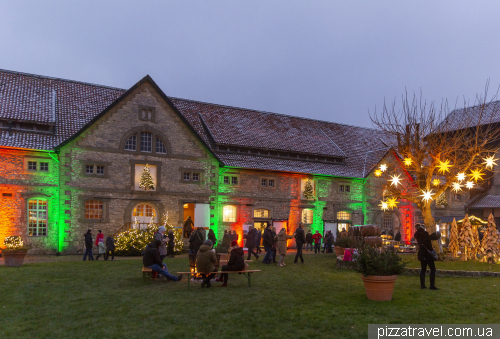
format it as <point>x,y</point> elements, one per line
<point>490,241</point>
<point>146,179</point>
<point>453,246</point>
<point>308,190</point>
<point>441,200</point>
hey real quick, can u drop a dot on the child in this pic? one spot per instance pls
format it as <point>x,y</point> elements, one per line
<point>102,248</point>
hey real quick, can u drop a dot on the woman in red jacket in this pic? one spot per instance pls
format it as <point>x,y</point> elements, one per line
<point>317,242</point>
<point>100,235</point>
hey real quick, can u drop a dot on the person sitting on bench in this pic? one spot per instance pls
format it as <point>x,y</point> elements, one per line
<point>205,260</point>
<point>236,262</point>
<point>152,260</point>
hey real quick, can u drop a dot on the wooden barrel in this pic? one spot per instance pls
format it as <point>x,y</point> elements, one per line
<point>369,231</point>
<point>354,231</point>
<point>373,241</point>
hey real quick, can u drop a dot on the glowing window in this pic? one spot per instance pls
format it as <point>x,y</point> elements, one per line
<point>387,220</point>
<point>37,217</point>
<point>144,210</point>
<point>160,146</point>
<point>130,145</point>
<point>343,226</point>
<point>93,209</point>
<point>307,216</point>
<point>229,213</point>
<point>146,138</point>
<point>261,213</point>
<point>342,215</point>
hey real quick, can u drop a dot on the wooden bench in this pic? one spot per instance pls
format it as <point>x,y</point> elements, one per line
<point>246,273</point>
<point>147,273</point>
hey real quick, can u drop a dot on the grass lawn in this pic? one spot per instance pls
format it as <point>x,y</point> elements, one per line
<point>109,300</point>
<point>453,265</point>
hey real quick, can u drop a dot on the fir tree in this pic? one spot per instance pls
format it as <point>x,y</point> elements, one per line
<point>466,237</point>
<point>490,241</point>
<point>308,190</point>
<point>146,179</point>
<point>453,245</point>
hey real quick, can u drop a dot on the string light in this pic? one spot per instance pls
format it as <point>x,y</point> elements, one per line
<point>436,182</point>
<point>395,180</point>
<point>490,162</point>
<point>427,195</point>
<point>461,177</point>
<point>476,174</point>
<point>444,166</point>
<point>456,186</point>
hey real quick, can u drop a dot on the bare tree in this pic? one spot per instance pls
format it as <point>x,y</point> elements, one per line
<point>439,149</point>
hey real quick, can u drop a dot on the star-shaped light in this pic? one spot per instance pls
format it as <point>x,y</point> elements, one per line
<point>378,173</point>
<point>383,167</point>
<point>383,206</point>
<point>476,174</point>
<point>456,186</point>
<point>461,177</point>
<point>469,184</point>
<point>444,166</point>
<point>436,182</point>
<point>490,162</point>
<point>408,161</point>
<point>395,180</point>
<point>427,195</point>
<point>392,203</point>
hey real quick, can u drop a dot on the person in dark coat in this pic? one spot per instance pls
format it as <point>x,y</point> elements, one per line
<point>300,240</point>
<point>110,247</point>
<point>203,233</point>
<point>424,246</point>
<point>236,262</point>
<point>250,236</point>
<point>234,236</point>
<point>197,240</point>
<point>329,242</point>
<point>151,259</point>
<point>309,240</point>
<point>211,236</point>
<point>205,263</point>
<point>226,240</point>
<point>397,237</point>
<point>170,244</point>
<point>273,231</point>
<point>258,238</point>
<point>268,242</point>
<point>88,245</point>
<point>191,242</point>
<point>188,227</point>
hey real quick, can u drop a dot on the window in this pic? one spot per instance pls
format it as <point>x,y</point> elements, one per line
<point>307,216</point>
<point>147,114</point>
<point>144,210</point>
<point>160,146</point>
<point>261,213</point>
<point>191,176</point>
<point>387,220</point>
<point>44,166</point>
<point>266,182</point>
<point>93,209</point>
<point>344,188</point>
<point>32,165</point>
<point>37,217</point>
<point>100,170</point>
<point>146,142</point>
<point>89,169</point>
<point>270,183</point>
<point>187,176</point>
<point>131,142</point>
<point>343,226</point>
<point>231,180</point>
<point>229,213</point>
<point>196,176</point>
<point>342,215</point>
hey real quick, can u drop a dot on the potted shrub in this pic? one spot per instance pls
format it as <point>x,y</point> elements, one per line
<point>14,251</point>
<point>379,271</point>
<point>341,244</point>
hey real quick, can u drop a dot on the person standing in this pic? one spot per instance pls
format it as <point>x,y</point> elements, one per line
<point>317,242</point>
<point>325,240</point>
<point>203,234</point>
<point>258,238</point>
<point>101,248</point>
<point>309,240</point>
<point>170,243</point>
<point>300,239</point>
<point>234,236</point>
<point>162,248</point>
<point>329,242</point>
<point>282,245</point>
<point>268,242</point>
<point>211,236</point>
<point>205,261</point>
<point>88,246</point>
<point>151,259</point>
<point>250,236</point>
<point>198,240</point>
<point>226,240</point>
<point>100,237</point>
<point>273,230</point>
<point>397,237</point>
<point>188,227</point>
<point>110,247</point>
<point>424,254</point>
<point>236,262</point>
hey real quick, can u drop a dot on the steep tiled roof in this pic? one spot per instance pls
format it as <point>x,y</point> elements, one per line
<point>68,105</point>
<point>472,116</point>
<point>487,201</point>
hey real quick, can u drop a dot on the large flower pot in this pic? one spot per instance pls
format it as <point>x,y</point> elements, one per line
<point>379,288</point>
<point>339,251</point>
<point>14,258</point>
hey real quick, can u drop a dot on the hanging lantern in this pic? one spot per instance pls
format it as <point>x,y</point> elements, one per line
<point>476,174</point>
<point>456,186</point>
<point>469,184</point>
<point>444,166</point>
<point>461,177</point>
<point>408,161</point>
<point>395,180</point>
<point>427,195</point>
<point>392,203</point>
<point>436,182</point>
<point>489,162</point>
<point>378,173</point>
<point>383,167</point>
<point>383,206</point>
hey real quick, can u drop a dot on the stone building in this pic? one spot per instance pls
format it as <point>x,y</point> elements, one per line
<point>72,155</point>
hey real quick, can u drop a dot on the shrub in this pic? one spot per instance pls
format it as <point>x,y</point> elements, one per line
<point>372,261</point>
<point>347,242</point>
<point>133,242</point>
<point>13,242</point>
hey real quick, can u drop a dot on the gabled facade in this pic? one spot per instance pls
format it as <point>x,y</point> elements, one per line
<point>72,155</point>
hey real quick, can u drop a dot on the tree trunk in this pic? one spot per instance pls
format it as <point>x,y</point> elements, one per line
<point>430,225</point>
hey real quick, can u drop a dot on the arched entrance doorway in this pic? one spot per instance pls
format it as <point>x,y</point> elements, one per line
<point>143,214</point>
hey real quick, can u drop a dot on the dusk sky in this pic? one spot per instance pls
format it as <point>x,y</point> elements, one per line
<point>327,60</point>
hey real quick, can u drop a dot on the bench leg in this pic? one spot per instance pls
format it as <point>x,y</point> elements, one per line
<point>248,277</point>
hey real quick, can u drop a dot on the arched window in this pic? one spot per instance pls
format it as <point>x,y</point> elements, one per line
<point>261,213</point>
<point>387,221</point>
<point>229,213</point>
<point>342,215</point>
<point>160,146</point>
<point>307,216</point>
<point>93,209</point>
<point>146,138</point>
<point>130,145</point>
<point>37,217</point>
